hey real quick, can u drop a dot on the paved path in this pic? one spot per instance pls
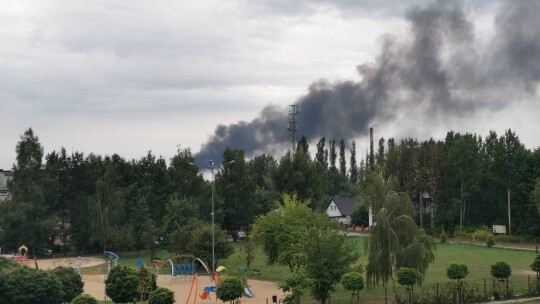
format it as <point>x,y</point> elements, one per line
<point>515,301</point>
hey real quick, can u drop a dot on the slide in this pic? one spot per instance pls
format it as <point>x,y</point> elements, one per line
<point>248,292</point>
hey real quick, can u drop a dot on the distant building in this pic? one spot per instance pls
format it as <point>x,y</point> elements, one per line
<point>341,208</point>
<point>5,177</point>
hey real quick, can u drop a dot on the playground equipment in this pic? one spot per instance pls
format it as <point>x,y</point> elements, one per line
<point>247,291</point>
<point>22,257</point>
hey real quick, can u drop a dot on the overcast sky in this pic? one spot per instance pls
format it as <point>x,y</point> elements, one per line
<point>131,76</point>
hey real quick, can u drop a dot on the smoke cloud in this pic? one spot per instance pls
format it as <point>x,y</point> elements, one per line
<point>440,68</point>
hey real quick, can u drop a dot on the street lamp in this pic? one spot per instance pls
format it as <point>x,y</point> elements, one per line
<point>213,215</point>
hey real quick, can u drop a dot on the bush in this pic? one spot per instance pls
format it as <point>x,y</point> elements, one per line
<point>6,264</point>
<point>407,276</point>
<point>501,270</point>
<point>230,289</point>
<point>535,266</point>
<point>457,271</point>
<point>28,286</point>
<point>121,285</point>
<point>490,241</point>
<point>72,283</point>
<point>161,296</point>
<point>84,299</point>
<point>146,283</point>
<point>443,237</point>
<point>446,294</point>
<point>352,281</point>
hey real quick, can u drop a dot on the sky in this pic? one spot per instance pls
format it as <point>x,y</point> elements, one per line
<point>131,76</point>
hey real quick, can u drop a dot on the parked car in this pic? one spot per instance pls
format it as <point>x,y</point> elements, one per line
<point>44,252</point>
<point>242,235</point>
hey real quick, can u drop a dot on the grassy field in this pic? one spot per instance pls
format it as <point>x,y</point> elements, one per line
<point>478,259</point>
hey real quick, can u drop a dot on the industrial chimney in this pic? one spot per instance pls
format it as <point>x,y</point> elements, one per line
<point>371,156</point>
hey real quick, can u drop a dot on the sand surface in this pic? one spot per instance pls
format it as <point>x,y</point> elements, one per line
<point>67,262</point>
<point>262,289</point>
<point>94,284</point>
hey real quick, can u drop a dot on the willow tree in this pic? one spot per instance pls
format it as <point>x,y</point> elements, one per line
<point>396,240</point>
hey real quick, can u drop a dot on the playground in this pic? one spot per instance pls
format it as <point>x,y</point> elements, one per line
<point>185,275</point>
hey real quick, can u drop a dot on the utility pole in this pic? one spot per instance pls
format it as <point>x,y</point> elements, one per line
<point>292,126</point>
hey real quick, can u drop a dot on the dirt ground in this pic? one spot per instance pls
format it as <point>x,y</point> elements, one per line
<point>94,284</point>
<point>85,262</point>
<point>262,289</point>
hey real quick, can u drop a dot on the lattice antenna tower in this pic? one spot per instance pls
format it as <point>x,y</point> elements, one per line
<point>292,125</point>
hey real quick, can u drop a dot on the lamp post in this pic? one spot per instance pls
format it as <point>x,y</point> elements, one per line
<point>214,215</point>
<point>213,220</point>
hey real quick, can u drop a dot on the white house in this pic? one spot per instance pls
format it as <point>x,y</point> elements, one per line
<point>341,208</point>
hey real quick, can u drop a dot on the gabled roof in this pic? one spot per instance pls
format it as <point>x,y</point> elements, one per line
<point>345,205</point>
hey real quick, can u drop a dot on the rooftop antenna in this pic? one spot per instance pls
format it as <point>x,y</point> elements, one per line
<point>293,112</point>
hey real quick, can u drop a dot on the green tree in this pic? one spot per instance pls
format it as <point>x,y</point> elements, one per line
<point>535,195</point>
<point>72,284</point>
<point>230,289</point>
<point>328,256</point>
<point>295,284</point>
<point>510,162</point>
<point>353,170</point>
<point>353,281</point>
<point>322,153</point>
<point>333,156</point>
<point>342,162</point>
<point>463,171</point>
<point>236,188</point>
<point>121,285</point>
<point>282,231</point>
<point>396,241</point>
<point>303,144</point>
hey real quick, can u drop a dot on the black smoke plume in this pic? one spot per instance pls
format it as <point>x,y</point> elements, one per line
<point>440,68</point>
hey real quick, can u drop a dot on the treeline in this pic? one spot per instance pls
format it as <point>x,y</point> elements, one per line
<point>92,202</point>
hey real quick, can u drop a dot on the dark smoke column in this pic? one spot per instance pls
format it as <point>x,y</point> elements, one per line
<point>438,71</point>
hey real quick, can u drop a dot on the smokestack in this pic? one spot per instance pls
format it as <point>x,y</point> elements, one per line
<point>371,157</point>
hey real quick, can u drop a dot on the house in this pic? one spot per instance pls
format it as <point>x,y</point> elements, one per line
<point>5,177</point>
<point>341,208</point>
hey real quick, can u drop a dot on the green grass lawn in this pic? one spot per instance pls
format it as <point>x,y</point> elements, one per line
<point>478,259</point>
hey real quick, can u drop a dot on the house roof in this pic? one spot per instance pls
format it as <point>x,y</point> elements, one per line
<point>345,205</point>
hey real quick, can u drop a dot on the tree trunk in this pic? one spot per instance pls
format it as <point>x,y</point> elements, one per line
<point>461,212</point>
<point>421,210</point>
<point>508,194</point>
<point>432,211</point>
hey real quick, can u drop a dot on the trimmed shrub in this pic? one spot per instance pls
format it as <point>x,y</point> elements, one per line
<point>501,270</point>
<point>121,285</point>
<point>490,241</point>
<point>352,281</point>
<point>443,237</point>
<point>84,299</point>
<point>72,283</point>
<point>457,271</point>
<point>407,276</point>
<point>230,289</point>
<point>161,296</point>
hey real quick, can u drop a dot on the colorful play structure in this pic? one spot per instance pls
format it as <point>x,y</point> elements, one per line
<point>22,257</point>
<point>186,267</point>
<point>100,274</point>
